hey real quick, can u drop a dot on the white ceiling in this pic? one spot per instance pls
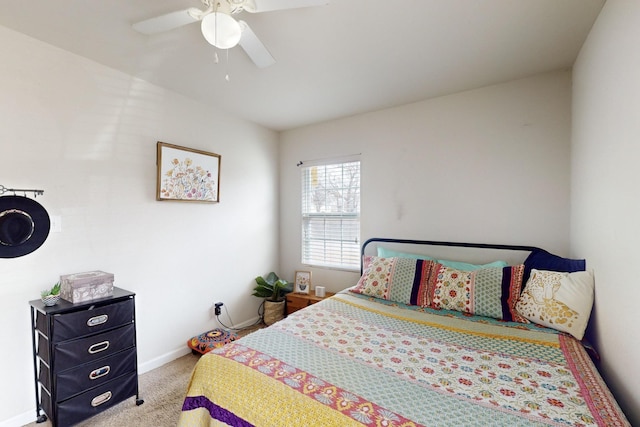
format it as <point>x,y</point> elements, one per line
<point>345,58</point>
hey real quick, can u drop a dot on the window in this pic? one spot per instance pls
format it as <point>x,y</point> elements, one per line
<point>331,215</point>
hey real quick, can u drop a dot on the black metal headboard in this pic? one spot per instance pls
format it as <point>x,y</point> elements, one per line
<point>490,246</point>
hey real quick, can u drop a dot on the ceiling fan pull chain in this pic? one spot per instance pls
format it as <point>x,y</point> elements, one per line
<point>226,77</point>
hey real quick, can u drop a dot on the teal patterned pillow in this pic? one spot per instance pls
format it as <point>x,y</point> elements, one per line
<point>402,280</point>
<point>390,253</point>
<point>491,292</point>
<point>460,265</point>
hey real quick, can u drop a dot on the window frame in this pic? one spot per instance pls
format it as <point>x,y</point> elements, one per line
<point>328,249</point>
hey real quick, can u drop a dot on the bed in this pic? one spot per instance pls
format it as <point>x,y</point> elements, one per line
<point>402,348</point>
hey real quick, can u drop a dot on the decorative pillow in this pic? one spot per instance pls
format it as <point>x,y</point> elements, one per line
<point>465,266</point>
<point>543,260</point>
<point>207,341</point>
<point>491,292</point>
<point>384,252</point>
<point>402,280</point>
<point>559,300</point>
<point>389,253</point>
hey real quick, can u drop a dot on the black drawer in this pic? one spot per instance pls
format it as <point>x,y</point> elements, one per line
<point>77,324</point>
<point>92,402</point>
<point>69,354</point>
<point>78,379</point>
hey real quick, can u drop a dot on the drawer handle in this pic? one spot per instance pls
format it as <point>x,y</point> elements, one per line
<point>98,347</point>
<point>100,372</point>
<point>100,399</point>
<point>98,320</point>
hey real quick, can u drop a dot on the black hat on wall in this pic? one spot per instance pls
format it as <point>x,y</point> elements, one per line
<point>24,226</point>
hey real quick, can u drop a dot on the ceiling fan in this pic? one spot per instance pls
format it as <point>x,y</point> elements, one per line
<point>220,28</point>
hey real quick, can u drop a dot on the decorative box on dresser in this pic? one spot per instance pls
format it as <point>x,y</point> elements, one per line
<point>297,301</point>
<point>84,357</point>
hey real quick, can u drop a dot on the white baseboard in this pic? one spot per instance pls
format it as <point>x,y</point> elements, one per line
<point>162,360</point>
<point>250,322</point>
<point>20,420</point>
<point>30,416</point>
<point>173,355</point>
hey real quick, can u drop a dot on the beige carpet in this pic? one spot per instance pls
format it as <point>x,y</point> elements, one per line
<point>163,390</point>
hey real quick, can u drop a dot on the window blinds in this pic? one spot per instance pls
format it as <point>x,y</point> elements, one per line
<point>331,215</point>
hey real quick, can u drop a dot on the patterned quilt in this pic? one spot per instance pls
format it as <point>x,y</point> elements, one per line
<point>355,360</point>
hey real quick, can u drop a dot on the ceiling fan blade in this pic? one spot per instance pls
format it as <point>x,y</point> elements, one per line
<point>167,22</point>
<point>269,5</point>
<point>254,47</point>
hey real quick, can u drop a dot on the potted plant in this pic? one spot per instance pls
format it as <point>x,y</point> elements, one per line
<point>51,296</point>
<point>273,290</point>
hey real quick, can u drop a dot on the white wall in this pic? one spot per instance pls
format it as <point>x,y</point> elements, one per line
<point>605,206</point>
<point>488,165</point>
<point>86,135</point>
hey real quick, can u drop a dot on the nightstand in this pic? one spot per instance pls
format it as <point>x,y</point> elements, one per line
<point>296,301</point>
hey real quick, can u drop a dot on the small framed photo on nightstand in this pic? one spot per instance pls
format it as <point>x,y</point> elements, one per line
<point>302,282</point>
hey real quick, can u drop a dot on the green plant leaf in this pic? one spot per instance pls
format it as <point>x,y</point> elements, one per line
<point>271,287</point>
<point>55,290</point>
<point>272,278</point>
<point>262,293</point>
<point>261,282</point>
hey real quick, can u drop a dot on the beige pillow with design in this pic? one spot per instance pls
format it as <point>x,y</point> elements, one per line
<point>562,301</point>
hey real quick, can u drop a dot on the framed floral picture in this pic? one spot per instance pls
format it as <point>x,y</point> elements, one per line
<point>187,175</point>
<point>302,282</point>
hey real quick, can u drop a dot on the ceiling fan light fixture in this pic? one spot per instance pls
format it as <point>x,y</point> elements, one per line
<point>221,30</point>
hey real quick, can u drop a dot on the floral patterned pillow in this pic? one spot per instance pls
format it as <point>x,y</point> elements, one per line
<point>491,292</point>
<point>558,300</point>
<point>402,280</point>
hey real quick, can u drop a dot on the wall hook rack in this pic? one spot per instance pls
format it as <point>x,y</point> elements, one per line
<point>4,189</point>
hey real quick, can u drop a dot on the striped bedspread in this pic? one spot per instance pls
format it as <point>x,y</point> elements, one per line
<point>354,360</point>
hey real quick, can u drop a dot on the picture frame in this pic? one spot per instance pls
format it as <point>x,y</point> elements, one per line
<point>302,282</point>
<point>187,175</point>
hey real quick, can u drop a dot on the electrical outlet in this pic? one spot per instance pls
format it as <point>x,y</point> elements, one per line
<point>218,309</point>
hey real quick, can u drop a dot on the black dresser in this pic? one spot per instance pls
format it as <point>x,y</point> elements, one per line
<point>84,357</point>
